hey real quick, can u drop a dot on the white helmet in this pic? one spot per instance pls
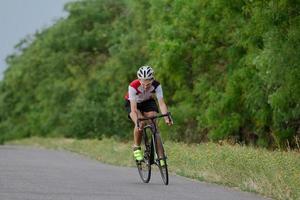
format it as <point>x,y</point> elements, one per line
<point>145,72</point>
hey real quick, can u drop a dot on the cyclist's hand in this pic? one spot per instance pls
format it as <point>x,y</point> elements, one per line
<point>168,121</point>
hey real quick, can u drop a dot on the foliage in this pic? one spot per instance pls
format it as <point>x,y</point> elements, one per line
<point>229,70</point>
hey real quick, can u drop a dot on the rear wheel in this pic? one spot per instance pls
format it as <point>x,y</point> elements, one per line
<point>144,166</point>
<point>161,160</point>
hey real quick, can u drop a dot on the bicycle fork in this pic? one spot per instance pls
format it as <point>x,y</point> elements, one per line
<point>158,150</point>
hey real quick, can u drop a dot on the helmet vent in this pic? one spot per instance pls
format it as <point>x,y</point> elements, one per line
<point>145,72</point>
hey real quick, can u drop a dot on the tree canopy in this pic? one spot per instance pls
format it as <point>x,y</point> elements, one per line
<point>229,70</point>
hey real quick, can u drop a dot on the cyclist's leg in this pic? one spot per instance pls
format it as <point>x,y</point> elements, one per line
<point>136,133</point>
<point>137,138</point>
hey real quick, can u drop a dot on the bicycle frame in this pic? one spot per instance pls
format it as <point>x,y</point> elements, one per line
<point>156,148</point>
<point>153,126</point>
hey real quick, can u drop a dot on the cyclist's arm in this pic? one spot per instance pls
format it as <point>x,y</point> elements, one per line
<point>162,106</point>
<point>164,110</point>
<point>160,98</point>
<point>133,104</point>
<point>134,111</point>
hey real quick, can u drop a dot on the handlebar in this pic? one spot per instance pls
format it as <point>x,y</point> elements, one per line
<point>168,114</point>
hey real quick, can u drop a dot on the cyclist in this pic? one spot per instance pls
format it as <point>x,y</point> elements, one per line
<point>140,102</point>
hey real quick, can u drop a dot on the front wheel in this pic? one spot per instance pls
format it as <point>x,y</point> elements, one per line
<point>164,171</point>
<point>161,160</point>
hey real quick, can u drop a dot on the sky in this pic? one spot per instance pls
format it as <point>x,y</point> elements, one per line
<point>22,18</point>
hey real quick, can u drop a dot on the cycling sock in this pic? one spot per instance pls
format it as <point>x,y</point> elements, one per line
<point>136,147</point>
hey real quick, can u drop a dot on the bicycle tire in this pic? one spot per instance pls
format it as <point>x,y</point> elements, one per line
<point>163,169</point>
<point>144,166</point>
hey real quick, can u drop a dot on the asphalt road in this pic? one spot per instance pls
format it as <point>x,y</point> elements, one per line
<point>35,174</point>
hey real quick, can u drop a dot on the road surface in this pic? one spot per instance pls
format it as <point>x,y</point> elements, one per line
<point>28,173</point>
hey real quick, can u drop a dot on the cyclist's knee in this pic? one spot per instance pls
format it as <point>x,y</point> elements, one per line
<point>142,124</point>
<point>139,130</point>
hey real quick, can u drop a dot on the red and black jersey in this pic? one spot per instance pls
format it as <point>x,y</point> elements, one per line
<point>136,91</point>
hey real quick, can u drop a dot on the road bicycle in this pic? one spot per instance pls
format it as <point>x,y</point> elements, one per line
<point>153,149</point>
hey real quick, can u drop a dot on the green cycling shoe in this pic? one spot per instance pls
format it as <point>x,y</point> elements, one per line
<point>162,163</point>
<point>138,155</point>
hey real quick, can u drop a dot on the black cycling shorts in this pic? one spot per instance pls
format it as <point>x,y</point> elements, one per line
<point>145,106</point>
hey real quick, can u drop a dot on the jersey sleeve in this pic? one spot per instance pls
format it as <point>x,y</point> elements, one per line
<point>159,92</point>
<point>131,93</point>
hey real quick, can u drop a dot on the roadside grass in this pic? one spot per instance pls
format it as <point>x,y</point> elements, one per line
<point>273,174</point>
